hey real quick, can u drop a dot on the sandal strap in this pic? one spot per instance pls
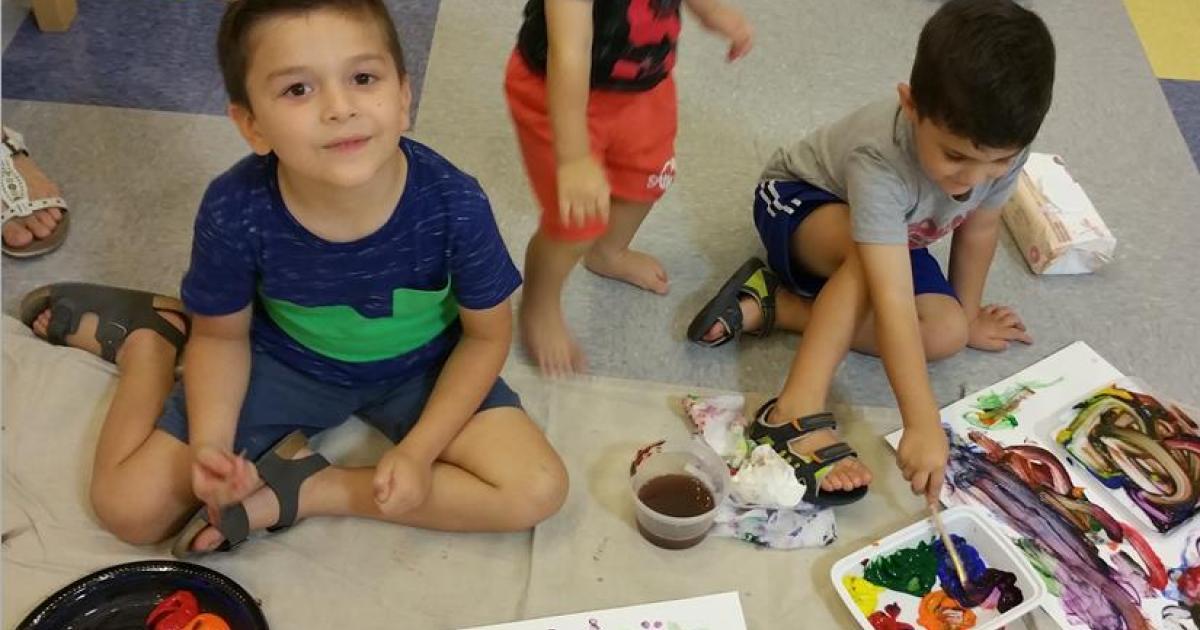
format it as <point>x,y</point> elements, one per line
<point>781,434</point>
<point>763,293</point>
<point>15,191</point>
<point>731,322</point>
<point>14,141</point>
<point>234,526</point>
<point>120,312</point>
<point>63,322</point>
<point>834,453</point>
<point>284,477</point>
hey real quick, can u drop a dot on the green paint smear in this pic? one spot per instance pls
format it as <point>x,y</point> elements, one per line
<point>1043,563</point>
<point>998,410</point>
<point>912,570</point>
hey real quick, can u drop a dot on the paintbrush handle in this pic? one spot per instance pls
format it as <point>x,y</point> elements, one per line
<point>949,544</point>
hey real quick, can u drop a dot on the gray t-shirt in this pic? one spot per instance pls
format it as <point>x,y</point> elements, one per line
<point>869,159</point>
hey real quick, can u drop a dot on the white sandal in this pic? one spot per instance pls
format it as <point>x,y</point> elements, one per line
<point>17,203</point>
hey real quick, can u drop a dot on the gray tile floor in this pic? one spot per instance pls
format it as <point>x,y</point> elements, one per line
<point>135,177</point>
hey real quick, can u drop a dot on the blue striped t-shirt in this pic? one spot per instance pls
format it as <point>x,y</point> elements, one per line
<point>380,308</point>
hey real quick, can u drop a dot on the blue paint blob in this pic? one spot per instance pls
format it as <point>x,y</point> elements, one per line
<point>984,582</point>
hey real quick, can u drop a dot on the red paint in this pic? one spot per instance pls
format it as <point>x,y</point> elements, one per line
<point>1158,573</point>
<point>174,612</point>
<point>889,620</point>
<point>1189,584</point>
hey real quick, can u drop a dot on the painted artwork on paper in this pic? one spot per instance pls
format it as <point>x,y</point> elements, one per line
<point>998,410</point>
<point>1144,450</point>
<point>1095,484</point>
<point>1061,531</point>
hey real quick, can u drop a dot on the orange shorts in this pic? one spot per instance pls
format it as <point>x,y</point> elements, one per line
<point>632,136</point>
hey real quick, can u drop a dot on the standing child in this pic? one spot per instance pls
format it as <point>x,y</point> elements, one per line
<point>591,94</point>
<point>846,215</point>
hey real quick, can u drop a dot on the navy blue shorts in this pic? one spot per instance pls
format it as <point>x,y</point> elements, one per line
<point>280,400</point>
<point>781,206</point>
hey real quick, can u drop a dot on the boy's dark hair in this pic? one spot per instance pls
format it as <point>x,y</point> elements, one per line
<point>241,16</point>
<point>985,70</point>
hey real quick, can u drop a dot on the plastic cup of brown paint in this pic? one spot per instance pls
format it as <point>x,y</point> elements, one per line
<point>676,486</point>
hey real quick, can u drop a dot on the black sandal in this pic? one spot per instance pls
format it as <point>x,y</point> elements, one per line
<point>810,469</point>
<point>281,474</point>
<point>120,311</point>
<point>754,279</point>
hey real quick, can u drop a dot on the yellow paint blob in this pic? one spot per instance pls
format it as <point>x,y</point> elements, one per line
<point>864,593</point>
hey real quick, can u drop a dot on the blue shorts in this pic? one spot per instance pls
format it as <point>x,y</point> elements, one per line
<point>280,400</point>
<point>781,206</point>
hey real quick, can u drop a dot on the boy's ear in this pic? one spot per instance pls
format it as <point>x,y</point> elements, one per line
<point>248,127</point>
<point>406,103</point>
<point>906,102</point>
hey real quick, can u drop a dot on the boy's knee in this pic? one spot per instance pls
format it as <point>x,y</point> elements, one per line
<point>539,494</point>
<point>130,516</point>
<point>945,335</point>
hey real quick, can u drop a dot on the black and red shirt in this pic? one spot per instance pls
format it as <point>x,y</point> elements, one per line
<point>633,41</point>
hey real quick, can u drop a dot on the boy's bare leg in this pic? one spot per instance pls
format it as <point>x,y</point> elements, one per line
<point>820,244</point>
<point>544,330</point>
<point>942,322</point>
<point>824,245</point>
<point>611,257</point>
<point>141,479</point>
<point>836,314</point>
<point>499,474</point>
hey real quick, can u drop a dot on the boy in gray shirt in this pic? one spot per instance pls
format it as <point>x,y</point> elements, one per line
<point>846,215</point>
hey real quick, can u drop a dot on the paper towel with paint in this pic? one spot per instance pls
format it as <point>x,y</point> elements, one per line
<point>1053,221</point>
<point>764,505</point>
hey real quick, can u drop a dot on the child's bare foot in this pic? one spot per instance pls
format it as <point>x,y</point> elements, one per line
<point>751,320</point>
<point>637,268</point>
<point>846,474</point>
<point>22,231</point>
<point>548,341</point>
<point>142,339</point>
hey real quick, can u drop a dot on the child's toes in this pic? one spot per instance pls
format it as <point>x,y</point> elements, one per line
<point>207,540</point>
<point>835,481</point>
<point>41,325</point>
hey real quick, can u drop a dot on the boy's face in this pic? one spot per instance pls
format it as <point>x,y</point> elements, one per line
<point>955,163</point>
<point>325,96</point>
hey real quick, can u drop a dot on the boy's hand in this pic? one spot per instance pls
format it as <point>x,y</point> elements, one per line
<point>401,481</point>
<point>583,191</point>
<point>995,327</point>
<point>220,478</point>
<point>922,459</point>
<point>732,25</point>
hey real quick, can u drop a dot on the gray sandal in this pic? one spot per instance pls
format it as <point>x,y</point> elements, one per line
<point>120,311</point>
<point>753,279</point>
<point>281,474</point>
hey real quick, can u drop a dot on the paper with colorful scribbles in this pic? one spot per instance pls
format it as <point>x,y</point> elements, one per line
<point>1043,476</point>
<point>721,611</point>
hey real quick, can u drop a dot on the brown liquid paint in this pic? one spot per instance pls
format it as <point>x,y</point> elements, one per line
<point>680,496</point>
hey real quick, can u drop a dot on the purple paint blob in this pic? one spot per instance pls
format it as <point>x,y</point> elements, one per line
<point>989,588</point>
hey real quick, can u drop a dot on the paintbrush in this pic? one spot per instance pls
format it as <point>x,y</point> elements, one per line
<point>949,544</point>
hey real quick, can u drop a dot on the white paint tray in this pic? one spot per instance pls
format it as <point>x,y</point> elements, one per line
<point>970,523</point>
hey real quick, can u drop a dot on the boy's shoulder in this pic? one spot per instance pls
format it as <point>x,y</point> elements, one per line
<point>432,168</point>
<point>235,190</point>
<point>438,186</point>
<point>878,126</point>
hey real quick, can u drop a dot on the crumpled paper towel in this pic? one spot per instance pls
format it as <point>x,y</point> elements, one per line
<point>763,506</point>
